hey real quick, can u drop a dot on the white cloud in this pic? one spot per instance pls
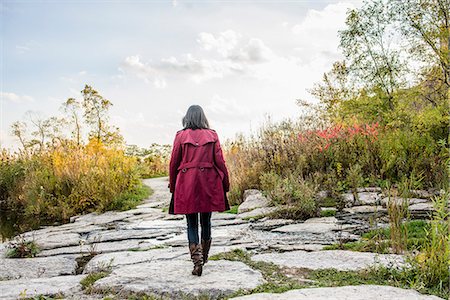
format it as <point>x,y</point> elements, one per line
<point>231,55</point>
<point>22,49</point>
<point>12,97</point>
<point>197,70</point>
<point>318,32</point>
<point>230,45</point>
<point>226,109</point>
<point>27,46</point>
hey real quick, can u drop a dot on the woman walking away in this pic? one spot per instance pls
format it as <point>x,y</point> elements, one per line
<point>198,181</point>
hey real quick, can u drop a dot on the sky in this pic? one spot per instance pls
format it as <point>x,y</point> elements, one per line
<point>242,61</point>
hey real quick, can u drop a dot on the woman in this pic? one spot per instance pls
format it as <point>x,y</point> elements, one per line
<point>198,181</point>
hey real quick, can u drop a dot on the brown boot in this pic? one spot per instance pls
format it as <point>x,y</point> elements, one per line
<point>205,246</point>
<point>197,258</point>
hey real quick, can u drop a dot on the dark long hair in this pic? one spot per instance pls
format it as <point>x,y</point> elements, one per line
<point>195,118</point>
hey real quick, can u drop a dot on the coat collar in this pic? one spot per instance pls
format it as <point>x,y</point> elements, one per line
<point>198,137</point>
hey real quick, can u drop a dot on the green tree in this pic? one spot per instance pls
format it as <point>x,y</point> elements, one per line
<point>72,107</point>
<point>18,129</point>
<point>426,23</point>
<point>96,115</point>
<point>367,45</point>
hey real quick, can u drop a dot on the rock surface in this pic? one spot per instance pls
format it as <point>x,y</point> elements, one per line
<point>146,248</point>
<point>36,267</point>
<point>366,292</point>
<point>219,278</point>
<point>252,199</point>
<point>257,212</point>
<point>330,259</point>
<point>53,286</point>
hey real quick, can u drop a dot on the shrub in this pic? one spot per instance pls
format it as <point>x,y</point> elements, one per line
<point>69,179</point>
<point>21,248</point>
<point>294,194</point>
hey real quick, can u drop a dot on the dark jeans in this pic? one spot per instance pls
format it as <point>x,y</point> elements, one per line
<point>192,226</point>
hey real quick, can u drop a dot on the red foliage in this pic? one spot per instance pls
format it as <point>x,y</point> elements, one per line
<point>326,137</point>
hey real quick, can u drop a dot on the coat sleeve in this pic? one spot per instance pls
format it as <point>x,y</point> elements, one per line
<point>220,162</point>
<point>175,160</point>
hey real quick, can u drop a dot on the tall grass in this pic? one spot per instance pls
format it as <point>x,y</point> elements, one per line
<point>335,157</point>
<point>69,179</point>
<point>432,264</point>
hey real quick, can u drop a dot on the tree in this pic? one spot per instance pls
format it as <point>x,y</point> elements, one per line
<point>42,128</point>
<point>18,129</point>
<point>335,87</point>
<point>72,107</point>
<point>95,112</point>
<point>367,45</point>
<point>426,23</point>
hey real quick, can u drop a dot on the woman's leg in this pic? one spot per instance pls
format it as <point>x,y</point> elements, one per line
<point>205,221</point>
<point>195,248</point>
<point>192,228</point>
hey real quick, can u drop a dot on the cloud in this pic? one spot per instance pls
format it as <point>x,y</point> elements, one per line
<point>12,97</point>
<point>28,46</point>
<point>318,32</point>
<point>22,49</point>
<point>232,55</point>
<point>230,45</point>
<point>226,109</point>
<point>197,70</point>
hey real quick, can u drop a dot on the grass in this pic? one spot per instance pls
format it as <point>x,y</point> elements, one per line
<point>88,281</point>
<point>21,248</point>
<point>255,218</point>
<point>327,213</point>
<point>379,240</point>
<point>402,278</point>
<point>278,282</point>
<point>130,199</point>
<point>233,210</point>
<point>327,202</point>
<point>293,212</point>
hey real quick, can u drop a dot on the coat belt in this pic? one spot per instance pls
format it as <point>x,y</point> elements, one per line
<point>184,166</point>
<point>195,165</point>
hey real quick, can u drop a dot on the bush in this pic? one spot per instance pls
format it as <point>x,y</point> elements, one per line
<point>295,195</point>
<point>70,179</point>
<point>21,248</point>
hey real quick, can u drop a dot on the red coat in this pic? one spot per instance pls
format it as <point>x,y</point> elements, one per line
<point>197,173</point>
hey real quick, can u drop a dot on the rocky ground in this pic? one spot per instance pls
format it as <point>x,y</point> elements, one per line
<point>144,250</point>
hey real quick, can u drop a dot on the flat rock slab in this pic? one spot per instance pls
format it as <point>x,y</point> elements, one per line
<point>313,225</point>
<point>103,218</point>
<point>253,199</point>
<point>257,212</point>
<point>366,292</point>
<point>330,259</point>
<point>53,286</point>
<point>369,198</point>
<point>173,278</point>
<point>101,247</point>
<point>36,267</point>
<point>103,262</point>
<point>269,224</point>
<point>125,234</point>
<point>400,201</point>
<point>365,209</point>
<point>158,224</point>
<point>293,247</point>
